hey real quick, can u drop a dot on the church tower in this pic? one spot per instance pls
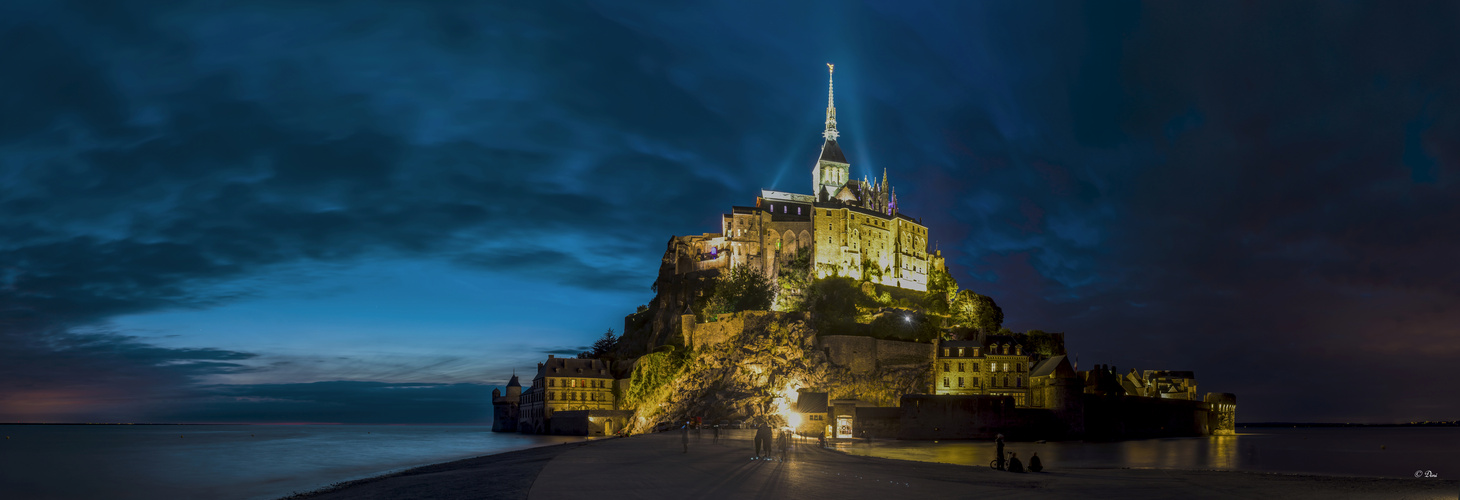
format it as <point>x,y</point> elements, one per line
<point>832,170</point>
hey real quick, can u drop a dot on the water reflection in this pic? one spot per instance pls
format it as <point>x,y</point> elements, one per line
<point>1385,452</point>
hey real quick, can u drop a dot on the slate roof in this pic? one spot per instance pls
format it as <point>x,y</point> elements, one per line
<point>1047,366</point>
<point>514,382</point>
<point>831,152</point>
<point>811,402</point>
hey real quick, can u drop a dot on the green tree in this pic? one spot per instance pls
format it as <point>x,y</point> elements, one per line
<point>977,311</point>
<point>942,290</point>
<point>605,344</point>
<point>792,282</point>
<point>740,289</point>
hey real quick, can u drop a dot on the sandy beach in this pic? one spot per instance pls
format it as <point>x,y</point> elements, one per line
<point>655,466</point>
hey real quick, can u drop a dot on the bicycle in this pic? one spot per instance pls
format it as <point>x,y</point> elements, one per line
<point>995,465</point>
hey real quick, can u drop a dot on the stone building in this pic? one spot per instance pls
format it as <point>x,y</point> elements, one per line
<point>1053,383</point>
<point>565,384</point>
<point>852,227</point>
<point>507,408</point>
<point>995,365</point>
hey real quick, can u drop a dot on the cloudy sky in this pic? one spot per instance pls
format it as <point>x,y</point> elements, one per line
<point>375,211</point>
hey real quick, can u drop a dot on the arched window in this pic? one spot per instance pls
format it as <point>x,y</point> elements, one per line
<point>1006,348</point>
<point>1019,350</point>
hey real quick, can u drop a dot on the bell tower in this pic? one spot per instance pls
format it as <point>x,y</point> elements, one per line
<point>832,170</point>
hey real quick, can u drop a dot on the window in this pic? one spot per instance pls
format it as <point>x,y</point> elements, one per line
<point>573,383</point>
<point>975,352</point>
<point>1018,381</point>
<point>1006,367</point>
<point>945,351</point>
<point>960,351</point>
<point>975,382</point>
<point>550,382</point>
<point>1018,367</point>
<point>1006,380</point>
<point>798,210</point>
<point>960,367</point>
<point>975,366</point>
<point>945,366</point>
<point>550,396</point>
<point>945,381</point>
<point>960,382</point>
<point>993,367</point>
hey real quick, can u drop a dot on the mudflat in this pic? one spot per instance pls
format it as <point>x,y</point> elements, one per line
<point>656,466</point>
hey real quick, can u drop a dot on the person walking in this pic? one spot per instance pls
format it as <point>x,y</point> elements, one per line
<point>764,435</point>
<point>684,436</point>
<point>717,434</point>
<point>999,444</point>
<point>1034,464</point>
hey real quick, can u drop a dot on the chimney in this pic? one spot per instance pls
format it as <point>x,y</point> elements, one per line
<point>550,356</point>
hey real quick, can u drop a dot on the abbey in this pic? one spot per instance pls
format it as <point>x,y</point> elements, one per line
<point>850,227</point>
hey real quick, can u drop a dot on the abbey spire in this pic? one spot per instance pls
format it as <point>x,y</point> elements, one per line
<point>830,133</point>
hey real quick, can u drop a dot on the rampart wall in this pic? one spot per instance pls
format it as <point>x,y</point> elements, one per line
<point>865,354</point>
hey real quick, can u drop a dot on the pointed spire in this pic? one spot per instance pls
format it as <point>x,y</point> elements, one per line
<point>830,133</point>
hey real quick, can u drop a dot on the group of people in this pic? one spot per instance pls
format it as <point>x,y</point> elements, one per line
<point>1014,465</point>
<point>765,437</point>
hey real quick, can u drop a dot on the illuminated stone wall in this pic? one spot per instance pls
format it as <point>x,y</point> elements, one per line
<point>865,354</point>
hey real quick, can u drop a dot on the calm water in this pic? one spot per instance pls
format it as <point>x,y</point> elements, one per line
<point>1331,451</point>
<point>225,461</point>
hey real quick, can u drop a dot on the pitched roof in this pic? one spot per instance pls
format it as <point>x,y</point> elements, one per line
<point>811,402</point>
<point>514,382</point>
<point>1047,366</point>
<point>831,152</point>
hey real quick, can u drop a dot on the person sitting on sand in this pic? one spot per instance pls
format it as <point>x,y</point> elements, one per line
<point>1034,465</point>
<point>1014,464</point>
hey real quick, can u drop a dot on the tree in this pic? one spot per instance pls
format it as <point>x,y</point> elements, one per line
<point>977,311</point>
<point>605,344</point>
<point>792,281</point>
<point>740,289</point>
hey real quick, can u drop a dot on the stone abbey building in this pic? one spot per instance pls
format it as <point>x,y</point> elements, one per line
<point>852,227</point>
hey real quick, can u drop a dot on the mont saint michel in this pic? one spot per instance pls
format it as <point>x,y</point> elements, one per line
<point>825,313</point>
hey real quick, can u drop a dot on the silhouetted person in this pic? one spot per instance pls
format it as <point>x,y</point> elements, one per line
<point>999,444</point>
<point>1014,464</point>
<point>783,444</point>
<point>1034,464</point>
<point>684,436</point>
<point>763,439</point>
<point>717,434</point>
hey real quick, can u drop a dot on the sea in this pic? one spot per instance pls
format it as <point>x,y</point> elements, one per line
<point>1394,452</point>
<point>271,461</point>
<point>226,462</point>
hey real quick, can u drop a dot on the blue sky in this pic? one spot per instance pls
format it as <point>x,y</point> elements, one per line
<point>272,211</point>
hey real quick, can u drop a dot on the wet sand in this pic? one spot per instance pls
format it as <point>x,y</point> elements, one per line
<point>655,466</point>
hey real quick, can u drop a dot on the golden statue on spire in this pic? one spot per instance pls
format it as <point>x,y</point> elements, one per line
<point>830,67</point>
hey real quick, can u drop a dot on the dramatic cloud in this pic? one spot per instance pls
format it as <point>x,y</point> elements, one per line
<point>1262,194</point>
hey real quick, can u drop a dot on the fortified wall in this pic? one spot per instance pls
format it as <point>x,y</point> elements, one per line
<point>864,355</point>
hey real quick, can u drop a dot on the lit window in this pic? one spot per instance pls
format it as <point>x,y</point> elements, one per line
<point>960,351</point>
<point>1006,367</point>
<point>945,351</point>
